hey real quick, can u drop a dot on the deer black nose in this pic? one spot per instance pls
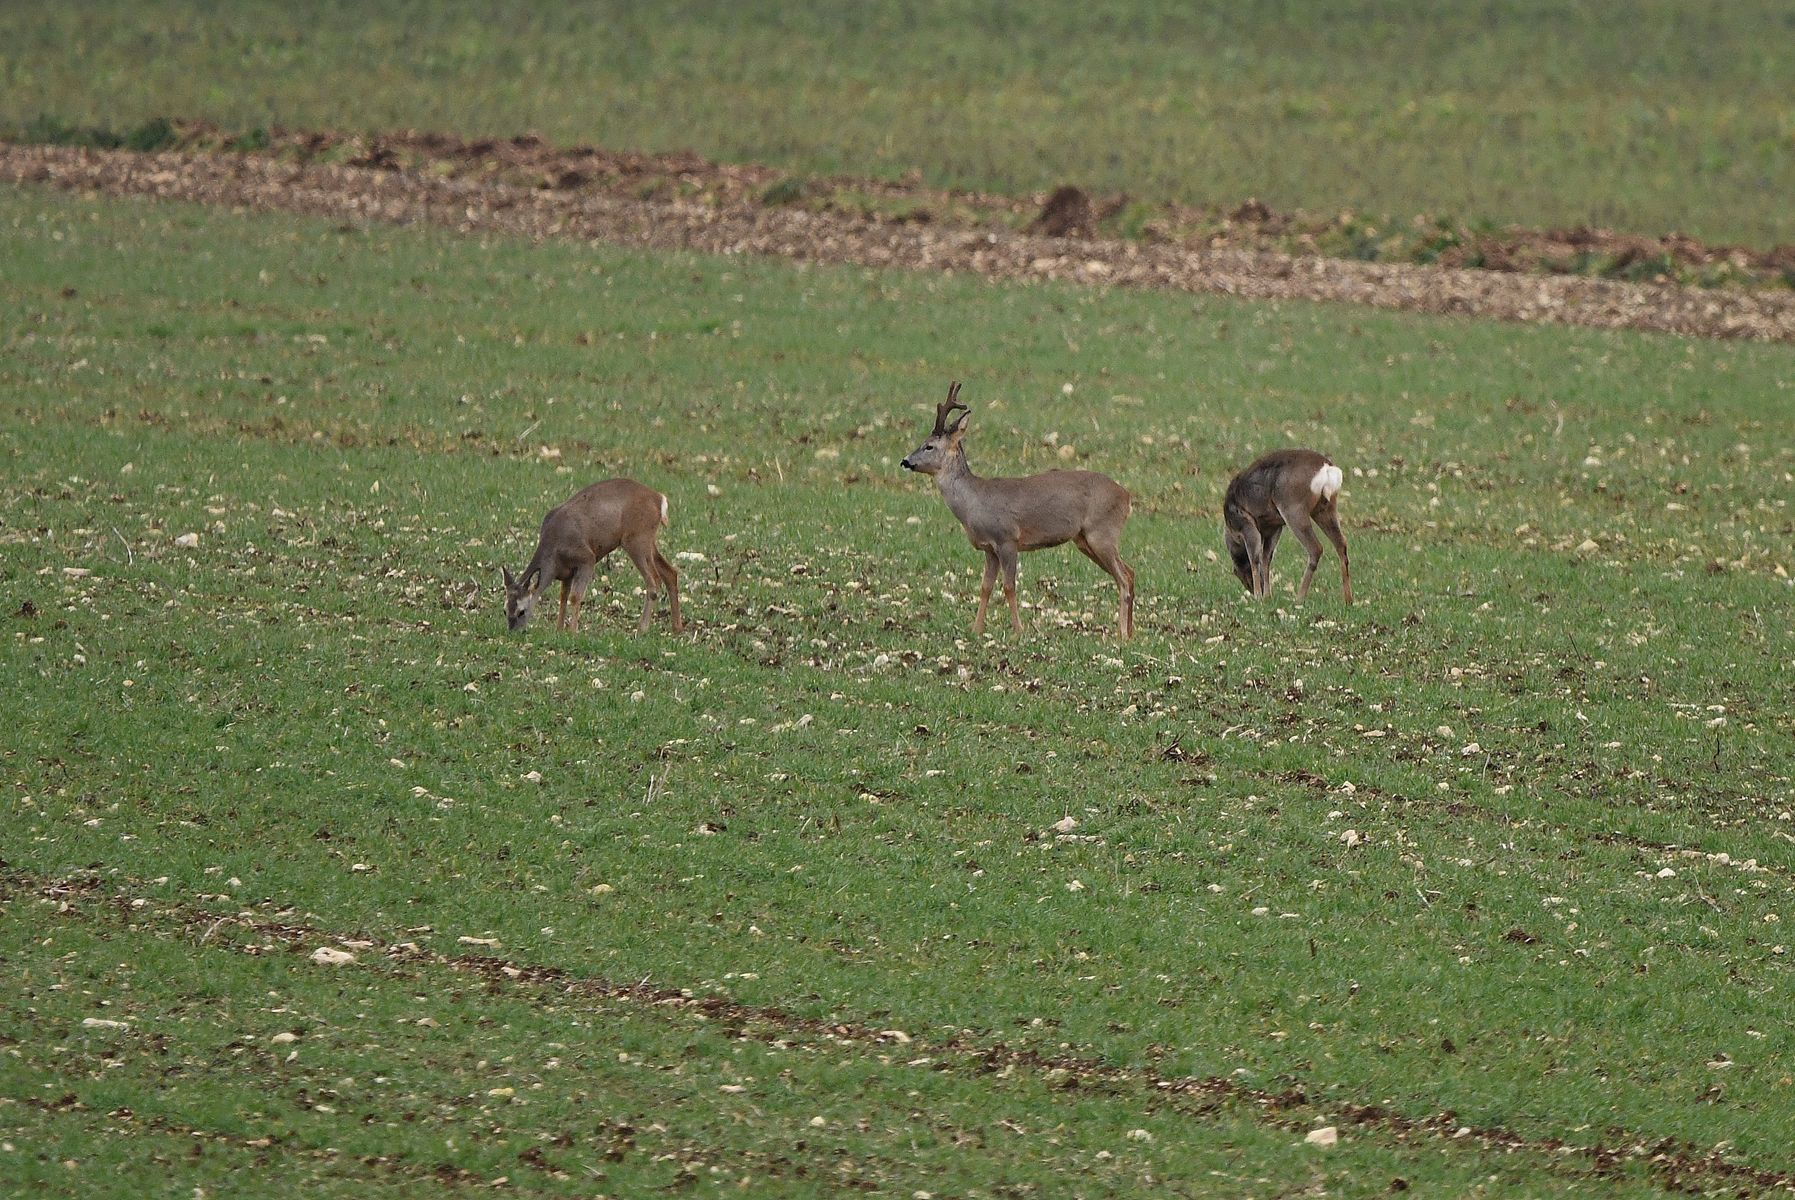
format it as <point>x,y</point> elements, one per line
<point>907,465</point>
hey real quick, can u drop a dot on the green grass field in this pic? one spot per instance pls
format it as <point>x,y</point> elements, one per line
<point>1508,839</point>
<point>1653,117</point>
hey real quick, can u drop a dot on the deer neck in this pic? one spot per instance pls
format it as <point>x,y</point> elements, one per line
<point>537,573</point>
<point>959,486</point>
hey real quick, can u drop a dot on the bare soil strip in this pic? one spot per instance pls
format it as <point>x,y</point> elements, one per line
<point>475,204</point>
<point>1678,1166</point>
<point>530,161</point>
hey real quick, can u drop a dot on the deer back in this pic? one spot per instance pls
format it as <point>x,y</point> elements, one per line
<point>1292,479</point>
<point>1038,511</point>
<point>597,519</point>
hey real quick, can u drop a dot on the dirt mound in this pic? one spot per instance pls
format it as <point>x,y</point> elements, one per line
<point>1584,250</point>
<point>1067,213</point>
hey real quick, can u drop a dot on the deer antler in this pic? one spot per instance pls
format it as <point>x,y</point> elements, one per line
<point>947,408</point>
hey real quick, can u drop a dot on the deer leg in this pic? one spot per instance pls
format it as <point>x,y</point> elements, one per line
<point>561,617</point>
<point>1007,559</point>
<point>582,579</point>
<point>978,622</point>
<point>1126,583</point>
<point>644,555</point>
<point>1110,559</point>
<point>1329,522</point>
<point>1271,550</point>
<point>1256,558</point>
<point>670,580</point>
<point>1304,531</point>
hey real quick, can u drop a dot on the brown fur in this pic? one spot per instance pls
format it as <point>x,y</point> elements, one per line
<point>577,534</point>
<point>1274,493</point>
<point>1003,517</point>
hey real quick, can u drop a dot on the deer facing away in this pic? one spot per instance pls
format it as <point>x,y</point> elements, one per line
<point>1294,489</point>
<point>1003,517</point>
<point>577,534</point>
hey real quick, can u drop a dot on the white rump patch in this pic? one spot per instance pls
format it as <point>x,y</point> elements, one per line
<point>664,505</point>
<point>1326,483</point>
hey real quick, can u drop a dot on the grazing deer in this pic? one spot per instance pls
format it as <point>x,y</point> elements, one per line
<point>1003,517</point>
<point>1294,488</point>
<point>575,535</point>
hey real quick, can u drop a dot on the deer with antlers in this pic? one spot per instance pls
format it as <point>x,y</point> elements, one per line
<point>1294,489</point>
<point>1004,517</point>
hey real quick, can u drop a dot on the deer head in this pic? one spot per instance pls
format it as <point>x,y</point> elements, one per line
<point>520,599</point>
<point>1233,522</point>
<point>944,439</point>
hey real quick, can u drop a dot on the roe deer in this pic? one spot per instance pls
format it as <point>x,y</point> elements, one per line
<point>575,535</point>
<point>1005,516</point>
<point>1294,488</point>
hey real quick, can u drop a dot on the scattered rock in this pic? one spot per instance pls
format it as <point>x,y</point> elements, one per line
<point>328,956</point>
<point>1327,1135</point>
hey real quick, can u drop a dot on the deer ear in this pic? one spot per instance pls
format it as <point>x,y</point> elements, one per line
<point>958,429</point>
<point>510,583</point>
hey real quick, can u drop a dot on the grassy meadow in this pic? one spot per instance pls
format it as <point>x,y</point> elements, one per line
<point>1652,117</point>
<point>1508,839</point>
